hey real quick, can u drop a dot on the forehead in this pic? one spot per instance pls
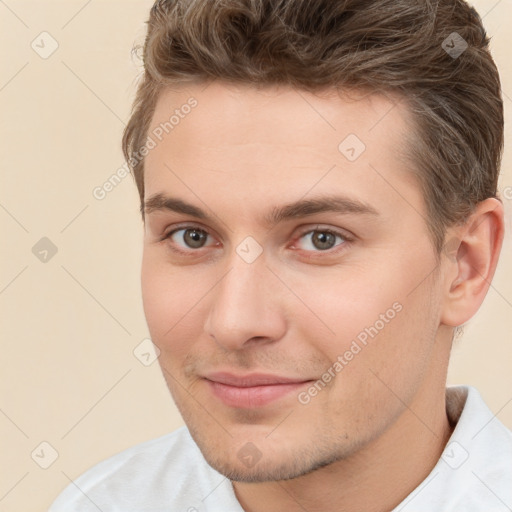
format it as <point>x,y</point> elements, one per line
<point>278,141</point>
<point>268,111</point>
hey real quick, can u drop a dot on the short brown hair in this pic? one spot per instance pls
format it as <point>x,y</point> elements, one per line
<point>414,48</point>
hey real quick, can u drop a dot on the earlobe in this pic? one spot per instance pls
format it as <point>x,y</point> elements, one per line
<point>471,261</point>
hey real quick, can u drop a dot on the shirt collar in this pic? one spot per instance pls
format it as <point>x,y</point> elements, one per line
<point>475,468</point>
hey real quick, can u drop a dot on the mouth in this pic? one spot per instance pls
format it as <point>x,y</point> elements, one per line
<point>252,390</point>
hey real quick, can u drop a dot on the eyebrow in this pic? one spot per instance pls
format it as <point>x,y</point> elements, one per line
<point>297,209</point>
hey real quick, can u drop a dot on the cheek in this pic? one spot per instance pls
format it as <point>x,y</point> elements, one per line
<point>378,316</point>
<point>345,306</point>
<point>167,296</point>
<point>397,344</point>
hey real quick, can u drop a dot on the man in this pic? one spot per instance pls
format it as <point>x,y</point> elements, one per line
<point>318,187</point>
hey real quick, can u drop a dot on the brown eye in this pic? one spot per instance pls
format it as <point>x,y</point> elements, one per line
<point>321,240</point>
<point>195,238</point>
<point>189,238</point>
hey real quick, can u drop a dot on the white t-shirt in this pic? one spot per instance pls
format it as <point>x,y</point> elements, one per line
<point>169,474</point>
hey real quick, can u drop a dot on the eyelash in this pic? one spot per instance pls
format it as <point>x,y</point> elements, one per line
<point>341,246</point>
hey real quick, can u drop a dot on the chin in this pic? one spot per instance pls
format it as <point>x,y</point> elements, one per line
<point>261,472</point>
<point>266,467</point>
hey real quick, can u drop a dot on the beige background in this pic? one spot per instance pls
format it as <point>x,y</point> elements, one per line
<point>70,324</point>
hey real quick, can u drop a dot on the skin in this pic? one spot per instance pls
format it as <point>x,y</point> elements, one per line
<point>367,439</point>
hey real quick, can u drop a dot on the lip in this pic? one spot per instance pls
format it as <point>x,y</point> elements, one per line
<point>251,390</point>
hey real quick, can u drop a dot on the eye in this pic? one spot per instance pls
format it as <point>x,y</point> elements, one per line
<point>188,237</point>
<point>321,240</point>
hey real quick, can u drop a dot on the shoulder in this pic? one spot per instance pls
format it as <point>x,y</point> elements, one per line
<point>146,476</point>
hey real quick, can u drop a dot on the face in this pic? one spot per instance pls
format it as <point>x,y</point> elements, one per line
<point>287,273</point>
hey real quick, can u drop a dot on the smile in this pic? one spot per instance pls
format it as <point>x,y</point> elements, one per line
<point>251,391</point>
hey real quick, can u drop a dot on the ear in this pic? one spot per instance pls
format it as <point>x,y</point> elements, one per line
<point>469,260</point>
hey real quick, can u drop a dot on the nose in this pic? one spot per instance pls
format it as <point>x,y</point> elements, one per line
<point>244,306</point>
